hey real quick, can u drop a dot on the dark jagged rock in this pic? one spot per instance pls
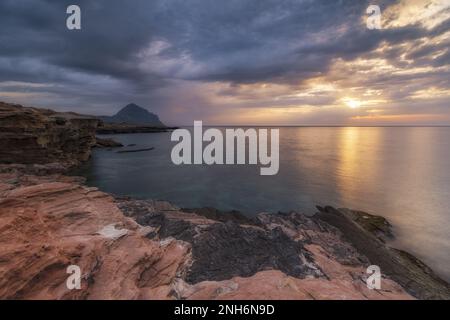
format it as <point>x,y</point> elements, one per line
<point>224,216</point>
<point>38,136</point>
<point>225,246</point>
<point>313,231</point>
<point>231,249</point>
<point>402,267</point>
<point>234,250</point>
<point>135,150</point>
<point>376,225</point>
<point>107,143</point>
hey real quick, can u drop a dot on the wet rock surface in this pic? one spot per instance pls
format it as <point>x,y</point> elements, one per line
<point>417,278</point>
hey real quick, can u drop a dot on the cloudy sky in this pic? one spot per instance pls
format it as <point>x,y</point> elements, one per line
<point>280,62</point>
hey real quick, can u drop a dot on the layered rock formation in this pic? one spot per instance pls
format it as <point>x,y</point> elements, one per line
<point>38,136</point>
<point>48,223</point>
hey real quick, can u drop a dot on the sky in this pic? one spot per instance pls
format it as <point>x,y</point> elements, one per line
<point>234,62</point>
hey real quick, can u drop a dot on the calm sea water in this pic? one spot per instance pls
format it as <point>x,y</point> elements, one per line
<point>400,173</point>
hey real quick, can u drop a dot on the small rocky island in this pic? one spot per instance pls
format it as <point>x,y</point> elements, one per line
<point>131,119</point>
<point>148,249</point>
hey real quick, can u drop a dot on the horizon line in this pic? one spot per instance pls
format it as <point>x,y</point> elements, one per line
<point>321,126</point>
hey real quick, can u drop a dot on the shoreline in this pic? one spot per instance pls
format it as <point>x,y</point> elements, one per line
<point>321,257</point>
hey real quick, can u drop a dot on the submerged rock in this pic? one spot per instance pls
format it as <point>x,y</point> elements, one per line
<point>107,143</point>
<point>136,150</point>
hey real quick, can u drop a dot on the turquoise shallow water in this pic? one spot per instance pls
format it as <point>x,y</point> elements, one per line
<point>400,173</point>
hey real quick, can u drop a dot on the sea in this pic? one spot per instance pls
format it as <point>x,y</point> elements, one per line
<point>400,173</point>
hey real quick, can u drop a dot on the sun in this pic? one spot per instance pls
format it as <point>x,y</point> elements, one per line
<point>352,103</point>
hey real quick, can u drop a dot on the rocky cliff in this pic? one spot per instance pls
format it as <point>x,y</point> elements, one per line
<point>38,136</point>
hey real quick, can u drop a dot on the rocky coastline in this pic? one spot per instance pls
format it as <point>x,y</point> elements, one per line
<point>150,249</point>
<point>109,128</point>
<point>39,136</point>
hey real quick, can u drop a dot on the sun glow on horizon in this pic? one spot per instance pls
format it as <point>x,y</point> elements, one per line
<point>352,103</point>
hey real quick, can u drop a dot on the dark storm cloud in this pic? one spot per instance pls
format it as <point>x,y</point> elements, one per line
<point>233,40</point>
<point>111,34</point>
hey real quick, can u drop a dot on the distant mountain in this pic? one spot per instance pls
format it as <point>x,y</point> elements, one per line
<point>133,114</point>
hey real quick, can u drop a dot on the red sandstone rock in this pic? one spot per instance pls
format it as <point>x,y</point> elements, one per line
<point>49,226</point>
